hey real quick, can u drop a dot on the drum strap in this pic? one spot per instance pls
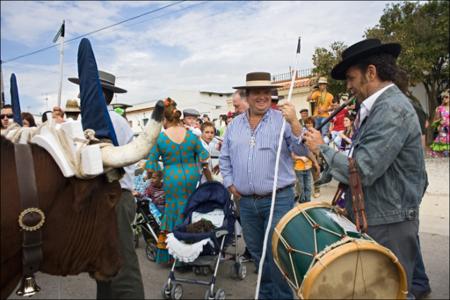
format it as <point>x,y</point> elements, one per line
<point>357,196</point>
<point>359,210</point>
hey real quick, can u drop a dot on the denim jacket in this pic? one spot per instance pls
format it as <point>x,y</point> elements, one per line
<point>390,159</point>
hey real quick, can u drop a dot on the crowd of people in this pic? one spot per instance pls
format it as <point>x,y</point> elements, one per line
<point>379,129</point>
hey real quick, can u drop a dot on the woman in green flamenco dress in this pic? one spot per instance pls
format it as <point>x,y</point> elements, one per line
<point>180,151</point>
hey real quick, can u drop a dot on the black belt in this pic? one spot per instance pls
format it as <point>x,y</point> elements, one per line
<point>257,197</point>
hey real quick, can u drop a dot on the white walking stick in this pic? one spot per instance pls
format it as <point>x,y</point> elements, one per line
<point>275,181</point>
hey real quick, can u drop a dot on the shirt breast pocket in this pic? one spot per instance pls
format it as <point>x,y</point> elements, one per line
<point>268,143</point>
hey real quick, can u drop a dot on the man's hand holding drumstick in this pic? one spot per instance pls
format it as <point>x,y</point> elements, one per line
<point>313,139</point>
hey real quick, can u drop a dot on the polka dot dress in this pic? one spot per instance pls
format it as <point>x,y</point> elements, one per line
<point>181,174</point>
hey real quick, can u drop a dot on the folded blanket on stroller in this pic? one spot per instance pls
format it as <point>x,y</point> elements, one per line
<point>185,252</point>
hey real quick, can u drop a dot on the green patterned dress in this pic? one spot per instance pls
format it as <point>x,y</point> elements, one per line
<point>181,174</point>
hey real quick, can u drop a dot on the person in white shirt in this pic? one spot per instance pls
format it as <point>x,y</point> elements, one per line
<point>127,284</point>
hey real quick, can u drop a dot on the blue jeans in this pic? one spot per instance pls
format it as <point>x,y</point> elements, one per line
<point>325,128</point>
<point>304,182</point>
<point>254,218</point>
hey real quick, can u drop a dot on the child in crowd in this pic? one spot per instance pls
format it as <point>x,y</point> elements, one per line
<point>302,167</point>
<point>337,123</point>
<point>155,191</point>
<point>140,179</point>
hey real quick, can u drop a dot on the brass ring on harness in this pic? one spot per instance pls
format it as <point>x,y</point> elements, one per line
<point>28,211</point>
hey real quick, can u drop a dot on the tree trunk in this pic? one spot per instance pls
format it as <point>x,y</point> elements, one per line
<point>430,88</point>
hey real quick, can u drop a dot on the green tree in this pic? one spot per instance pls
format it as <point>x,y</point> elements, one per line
<point>324,60</point>
<point>423,31</point>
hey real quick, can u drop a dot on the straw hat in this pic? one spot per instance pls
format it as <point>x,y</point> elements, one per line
<point>257,80</point>
<point>322,80</point>
<point>72,106</point>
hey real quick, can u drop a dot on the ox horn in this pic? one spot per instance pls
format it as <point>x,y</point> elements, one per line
<point>120,156</point>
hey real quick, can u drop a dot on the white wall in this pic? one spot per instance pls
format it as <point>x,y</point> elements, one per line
<point>213,106</point>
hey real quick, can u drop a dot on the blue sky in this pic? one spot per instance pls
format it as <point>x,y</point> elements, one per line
<point>188,46</point>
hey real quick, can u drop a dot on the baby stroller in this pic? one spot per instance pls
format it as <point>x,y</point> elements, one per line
<point>203,250</point>
<point>148,223</point>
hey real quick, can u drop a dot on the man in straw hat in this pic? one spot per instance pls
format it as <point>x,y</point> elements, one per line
<point>72,110</point>
<point>247,163</point>
<point>127,284</point>
<point>386,147</point>
<point>323,100</point>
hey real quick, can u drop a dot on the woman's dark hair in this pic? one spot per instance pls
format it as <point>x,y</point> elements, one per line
<point>29,117</point>
<point>350,117</point>
<point>387,69</point>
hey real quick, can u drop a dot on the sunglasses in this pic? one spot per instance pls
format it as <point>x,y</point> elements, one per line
<point>9,116</point>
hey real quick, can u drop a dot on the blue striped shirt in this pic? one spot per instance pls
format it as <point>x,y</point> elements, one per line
<point>250,166</point>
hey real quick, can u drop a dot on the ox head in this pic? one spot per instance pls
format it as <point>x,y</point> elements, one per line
<point>139,148</point>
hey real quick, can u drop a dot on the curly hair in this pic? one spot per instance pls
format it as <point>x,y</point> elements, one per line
<point>171,113</point>
<point>387,69</point>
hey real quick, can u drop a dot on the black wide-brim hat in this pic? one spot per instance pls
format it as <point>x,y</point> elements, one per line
<point>360,50</point>
<point>107,80</point>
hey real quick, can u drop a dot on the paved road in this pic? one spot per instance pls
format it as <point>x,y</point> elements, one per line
<point>434,234</point>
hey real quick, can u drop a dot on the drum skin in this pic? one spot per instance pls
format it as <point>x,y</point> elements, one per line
<point>323,256</point>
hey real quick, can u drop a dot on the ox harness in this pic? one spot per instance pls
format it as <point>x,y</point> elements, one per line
<point>31,219</point>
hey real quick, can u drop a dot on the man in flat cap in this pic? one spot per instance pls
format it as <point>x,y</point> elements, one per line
<point>386,148</point>
<point>190,117</point>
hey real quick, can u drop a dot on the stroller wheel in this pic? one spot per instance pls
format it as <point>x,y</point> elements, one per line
<point>136,235</point>
<point>220,294</point>
<point>241,271</point>
<point>238,271</point>
<point>150,251</point>
<point>176,292</point>
<point>208,295</point>
<point>205,271</point>
<point>165,291</point>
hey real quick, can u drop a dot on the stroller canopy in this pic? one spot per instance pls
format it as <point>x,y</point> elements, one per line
<point>207,197</point>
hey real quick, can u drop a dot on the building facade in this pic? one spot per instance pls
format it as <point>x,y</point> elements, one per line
<point>211,103</point>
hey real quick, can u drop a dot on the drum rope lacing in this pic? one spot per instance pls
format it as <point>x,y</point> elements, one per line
<point>317,256</point>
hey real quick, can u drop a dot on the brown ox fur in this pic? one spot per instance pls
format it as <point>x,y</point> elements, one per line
<point>80,231</point>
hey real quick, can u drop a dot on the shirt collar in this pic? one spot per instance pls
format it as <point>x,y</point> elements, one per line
<point>265,116</point>
<point>366,105</point>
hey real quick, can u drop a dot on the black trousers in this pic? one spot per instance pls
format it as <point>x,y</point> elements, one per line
<point>127,284</point>
<point>401,239</point>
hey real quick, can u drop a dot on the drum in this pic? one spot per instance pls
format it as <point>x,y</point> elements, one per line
<point>323,256</point>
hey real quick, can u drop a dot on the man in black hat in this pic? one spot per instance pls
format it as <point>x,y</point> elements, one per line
<point>127,284</point>
<point>386,147</point>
